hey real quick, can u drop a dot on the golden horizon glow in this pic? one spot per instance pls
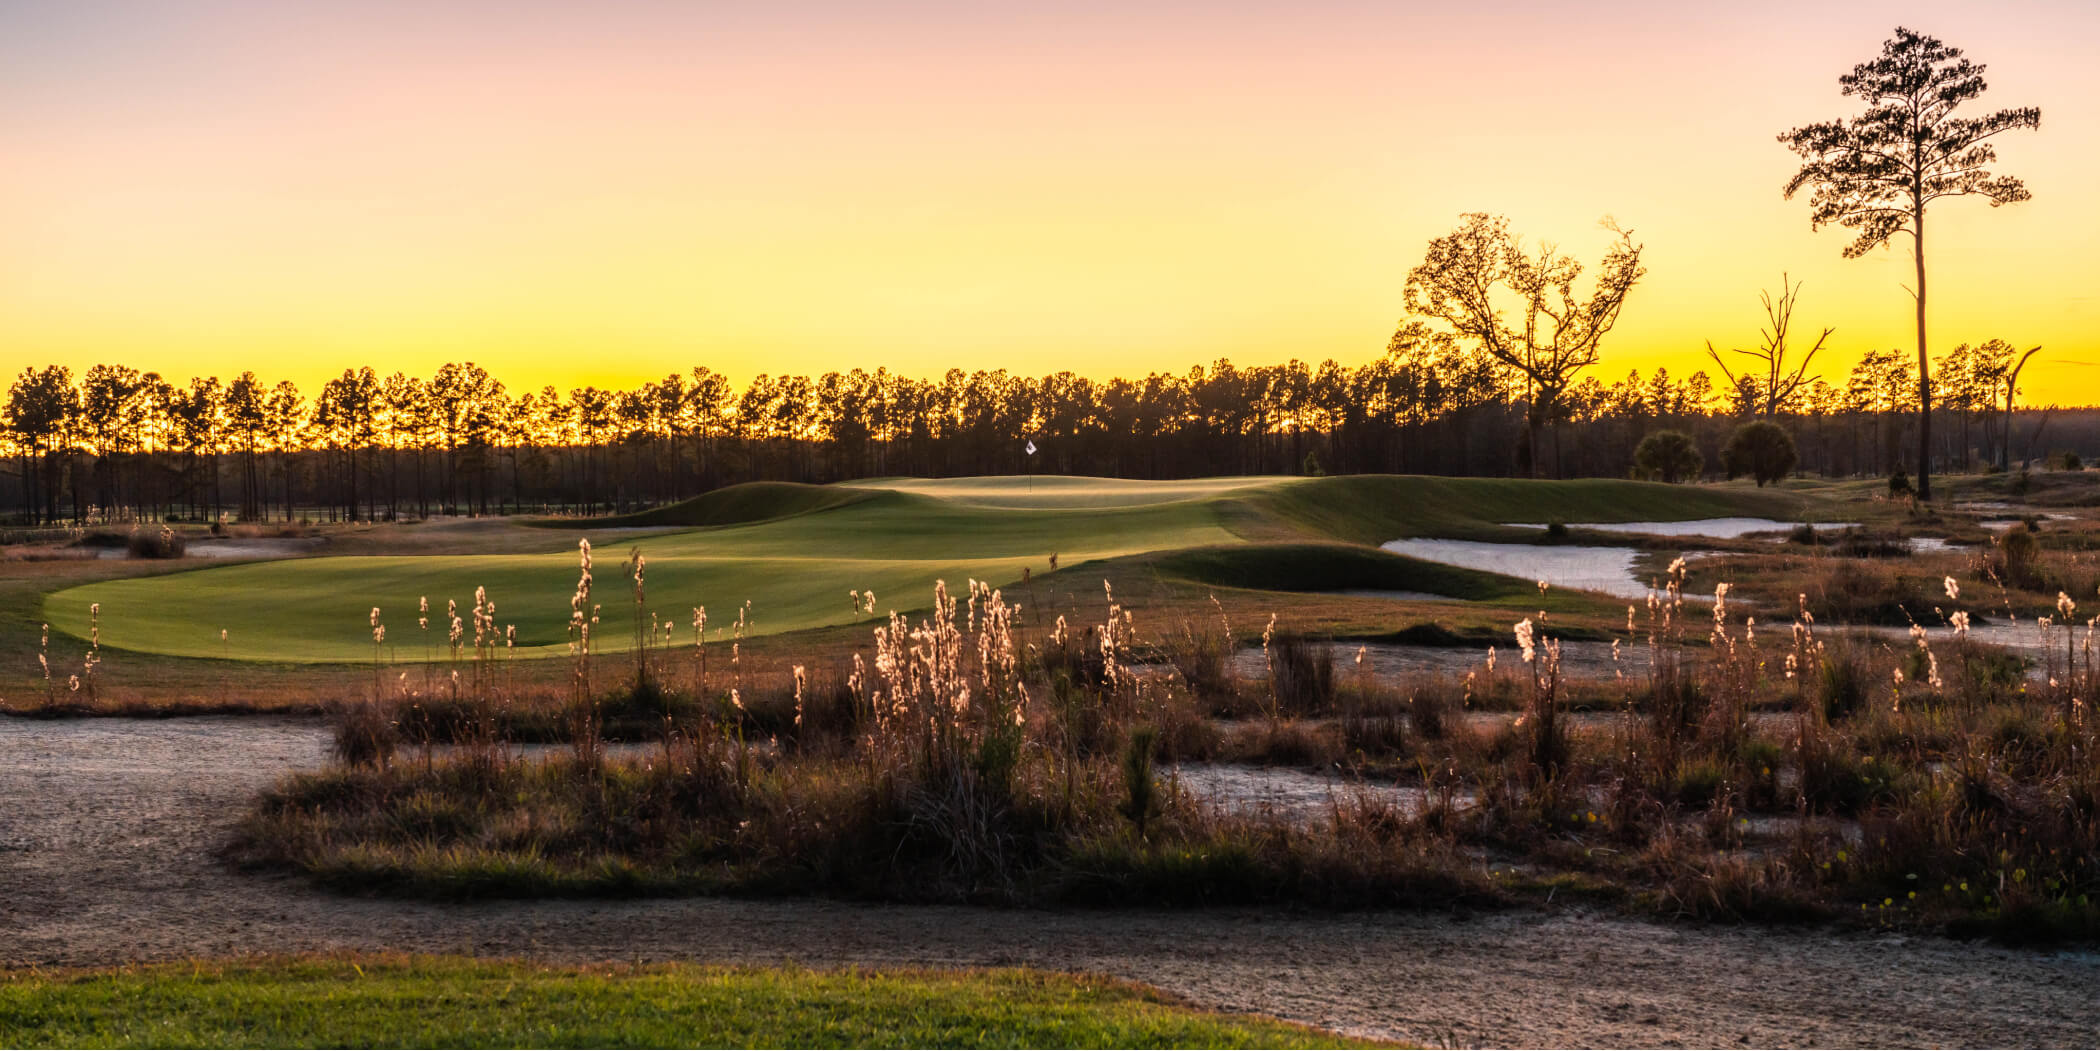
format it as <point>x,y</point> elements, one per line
<point>576,198</point>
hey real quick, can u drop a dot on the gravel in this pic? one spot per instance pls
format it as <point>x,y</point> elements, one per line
<point>108,829</point>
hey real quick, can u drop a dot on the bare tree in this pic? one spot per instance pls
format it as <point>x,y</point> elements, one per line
<point>2012,389</point>
<point>1781,381</point>
<point>1875,173</point>
<point>1471,274</point>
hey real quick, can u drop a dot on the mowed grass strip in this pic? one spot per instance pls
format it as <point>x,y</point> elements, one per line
<point>452,1002</point>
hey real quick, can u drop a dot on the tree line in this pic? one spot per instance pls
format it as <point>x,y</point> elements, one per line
<point>116,443</point>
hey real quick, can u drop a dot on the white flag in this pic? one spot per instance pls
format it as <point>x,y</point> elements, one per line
<point>1031,447</point>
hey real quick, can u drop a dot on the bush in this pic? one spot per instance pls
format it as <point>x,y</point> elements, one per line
<point>365,735</point>
<point>1301,674</point>
<point>2017,551</point>
<point>1761,449</point>
<point>1899,484</point>
<point>160,543</point>
<point>1669,455</point>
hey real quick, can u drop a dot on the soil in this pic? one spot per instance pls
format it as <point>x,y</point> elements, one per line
<point>108,829</point>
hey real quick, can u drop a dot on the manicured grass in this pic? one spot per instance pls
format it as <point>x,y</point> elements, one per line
<point>1335,567</point>
<point>1372,509</point>
<point>736,504</point>
<point>446,1002</point>
<point>794,552</point>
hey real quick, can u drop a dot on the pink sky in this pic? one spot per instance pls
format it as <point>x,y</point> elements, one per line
<point>609,192</point>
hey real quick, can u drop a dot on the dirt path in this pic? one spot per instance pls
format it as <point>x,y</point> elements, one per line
<point>106,830</point>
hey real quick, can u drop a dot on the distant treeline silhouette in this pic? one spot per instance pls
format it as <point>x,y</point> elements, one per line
<point>119,444</point>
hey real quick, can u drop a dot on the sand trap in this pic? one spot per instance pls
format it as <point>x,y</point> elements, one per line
<point>1064,491</point>
<point>281,547</point>
<point>1605,569</point>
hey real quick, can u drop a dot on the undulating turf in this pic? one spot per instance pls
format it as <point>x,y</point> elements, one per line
<point>443,1002</point>
<point>794,552</point>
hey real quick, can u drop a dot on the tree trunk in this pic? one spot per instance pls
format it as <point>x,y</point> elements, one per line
<point>1924,367</point>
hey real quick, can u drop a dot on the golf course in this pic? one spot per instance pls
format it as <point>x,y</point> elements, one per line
<point>794,552</point>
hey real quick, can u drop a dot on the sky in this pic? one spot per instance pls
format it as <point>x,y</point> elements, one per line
<point>608,192</point>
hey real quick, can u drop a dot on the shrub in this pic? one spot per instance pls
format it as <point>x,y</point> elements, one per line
<point>1899,484</point>
<point>1301,674</point>
<point>2017,551</point>
<point>1669,455</point>
<point>364,735</point>
<point>160,543</point>
<point>1843,679</point>
<point>1761,449</point>
<point>1140,791</point>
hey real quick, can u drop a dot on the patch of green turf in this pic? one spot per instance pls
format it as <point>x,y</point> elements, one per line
<point>1334,567</point>
<point>1372,509</point>
<point>423,1002</point>
<point>794,552</point>
<point>737,504</point>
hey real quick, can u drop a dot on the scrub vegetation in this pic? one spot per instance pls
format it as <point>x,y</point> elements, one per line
<point>1760,761</point>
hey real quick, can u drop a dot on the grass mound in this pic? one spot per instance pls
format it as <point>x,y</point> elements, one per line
<point>1333,567</point>
<point>1372,509</point>
<point>739,504</point>
<point>449,1002</point>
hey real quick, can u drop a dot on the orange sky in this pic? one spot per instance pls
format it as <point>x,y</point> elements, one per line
<point>602,196</point>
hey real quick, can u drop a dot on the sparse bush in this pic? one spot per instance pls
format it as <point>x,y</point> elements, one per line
<point>1301,674</point>
<point>365,735</point>
<point>2017,553</point>
<point>1141,793</point>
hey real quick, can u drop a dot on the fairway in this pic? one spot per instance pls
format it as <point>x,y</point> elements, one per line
<point>794,552</point>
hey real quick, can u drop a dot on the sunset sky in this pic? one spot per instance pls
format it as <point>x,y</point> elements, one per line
<point>607,192</point>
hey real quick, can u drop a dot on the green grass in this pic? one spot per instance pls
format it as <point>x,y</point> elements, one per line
<point>795,551</point>
<point>1372,509</point>
<point>1334,567</point>
<point>446,1002</point>
<point>737,504</point>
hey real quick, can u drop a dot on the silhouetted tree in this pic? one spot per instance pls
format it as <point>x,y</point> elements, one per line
<point>1669,455</point>
<point>42,408</point>
<point>1470,275</point>
<point>2012,390</point>
<point>1877,172</point>
<point>1782,380</point>
<point>1761,449</point>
